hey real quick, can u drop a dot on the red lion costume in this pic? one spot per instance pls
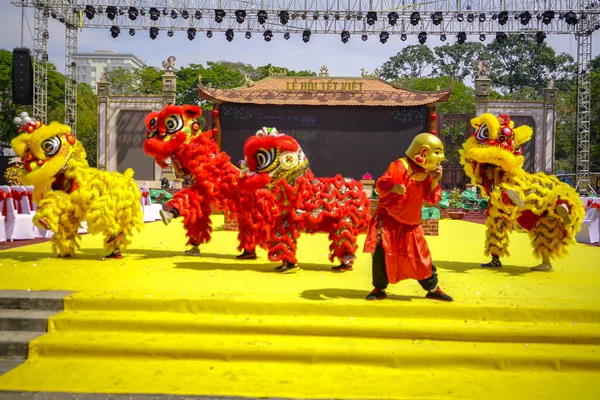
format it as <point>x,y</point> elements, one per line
<point>174,133</point>
<point>335,205</point>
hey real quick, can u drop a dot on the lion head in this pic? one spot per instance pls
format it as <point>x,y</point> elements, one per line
<point>269,157</point>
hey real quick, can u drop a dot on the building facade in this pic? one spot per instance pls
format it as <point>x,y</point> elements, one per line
<point>90,66</point>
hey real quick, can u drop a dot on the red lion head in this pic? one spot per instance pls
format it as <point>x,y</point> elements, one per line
<point>169,129</point>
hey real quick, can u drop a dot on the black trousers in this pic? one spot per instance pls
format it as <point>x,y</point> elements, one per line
<point>380,279</point>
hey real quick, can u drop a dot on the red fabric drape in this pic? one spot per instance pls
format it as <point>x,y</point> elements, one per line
<point>4,197</point>
<point>17,196</point>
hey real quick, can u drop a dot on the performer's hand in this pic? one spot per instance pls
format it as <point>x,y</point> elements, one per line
<point>399,189</point>
<point>437,174</point>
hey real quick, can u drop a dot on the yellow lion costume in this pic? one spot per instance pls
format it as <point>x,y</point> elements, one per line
<point>69,191</point>
<point>550,211</point>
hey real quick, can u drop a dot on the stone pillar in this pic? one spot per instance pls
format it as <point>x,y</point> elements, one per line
<point>549,127</point>
<point>103,90</point>
<point>169,90</point>
<point>482,88</point>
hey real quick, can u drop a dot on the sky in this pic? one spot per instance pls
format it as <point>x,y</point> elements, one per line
<point>341,59</point>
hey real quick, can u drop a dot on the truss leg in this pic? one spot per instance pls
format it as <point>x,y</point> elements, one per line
<point>584,55</point>
<point>71,78</point>
<point>40,63</point>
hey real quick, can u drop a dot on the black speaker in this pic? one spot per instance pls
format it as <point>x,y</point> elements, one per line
<point>22,77</point>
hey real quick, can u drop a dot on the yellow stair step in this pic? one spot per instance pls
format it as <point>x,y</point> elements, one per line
<point>364,327</point>
<point>395,353</point>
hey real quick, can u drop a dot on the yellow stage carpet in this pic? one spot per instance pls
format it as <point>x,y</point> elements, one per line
<point>157,321</point>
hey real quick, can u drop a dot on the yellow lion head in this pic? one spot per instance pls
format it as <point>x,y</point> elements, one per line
<point>46,151</point>
<point>497,142</point>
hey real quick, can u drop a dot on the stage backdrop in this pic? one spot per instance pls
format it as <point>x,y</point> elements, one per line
<point>131,133</point>
<point>346,140</point>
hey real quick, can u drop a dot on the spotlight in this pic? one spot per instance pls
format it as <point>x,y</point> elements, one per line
<point>337,16</point>
<point>153,32</point>
<point>364,37</point>
<point>284,17</point>
<point>294,16</point>
<point>248,34</point>
<point>131,32</point>
<point>170,33</point>
<point>303,15</point>
<point>393,17</point>
<point>422,37</point>
<point>371,18</point>
<point>415,18</point>
<point>437,18</point>
<point>345,36</point>
<point>229,35</point>
<point>403,37</point>
<point>55,16</point>
<point>174,14</point>
<point>185,14</point>
<point>154,14</point>
<point>306,36</point>
<point>522,37</point>
<point>482,17</point>
<point>198,14</point>
<point>383,37</point>
<point>132,13</point>
<point>501,36</point>
<point>359,16</point>
<point>461,37</point>
<point>262,17</point>
<point>525,17</point>
<point>443,37</point>
<point>89,12</point>
<point>286,36</point>
<point>47,12</point>
<point>539,37</point>
<point>142,12</point>
<point>547,17</point>
<point>326,17</point>
<point>240,15</point>
<point>460,17</point>
<point>219,15</point>
<point>482,37</point>
<point>209,34</point>
<point>268,35</point>
<point>571,18</point>
<point>191,32</point>
<point>470,17</point>
<point>114,31</point>
<point>316,16</point>
<point>111,12</point>
<point>503,17</point>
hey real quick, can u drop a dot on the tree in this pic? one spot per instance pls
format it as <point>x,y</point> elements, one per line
<point>121,81</point>
<point>265,70</point>
<point>8,110</point>
<point>149,80</point>
<point>136,81</point>
<point>462,97</point>
<point>87,121</point>
<point>410,62</point>
<point>457,61</point>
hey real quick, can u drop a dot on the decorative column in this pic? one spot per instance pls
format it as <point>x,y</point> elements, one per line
<point>482,88</point>
<point>103,90</point>
<point>169,90</point>
<point>216,123</point>
<point>549,126</point>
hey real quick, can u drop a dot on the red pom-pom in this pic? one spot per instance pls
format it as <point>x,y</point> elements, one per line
<point>215,113</point>
<point>432,117</point>
<point>71,139</point>
<point>419,159</point>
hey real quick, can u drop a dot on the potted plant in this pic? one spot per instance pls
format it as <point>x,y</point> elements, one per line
<point>455,205</point>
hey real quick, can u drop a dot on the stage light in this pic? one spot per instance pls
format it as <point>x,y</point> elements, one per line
<point>383,37</point>
<point>132,13</point>
<point>371,18</point>
<point>437,18</point>
<point>170,33</point>
<point>111,12</point>
<point>470,17</point>
<point>501,36</point>
<point>306,36</point>
<point>114,31</point>
<point>248,34</point>
<point>198,14</point>
<point>503,17</point>
<point>229,35</point>
<point>461,37</point>
<point>348,17</point>
<point>262,17</point>
<point>415,18</point>
<point>294,16</point>
<point>54,15</point>
<point>422,37</point>
<point>571,18</point>
<point>482,37</point>
<point>209,33</point>
<point>326,17</point>
<point>165,11</point>
<point>443,37</point>
<point>525,17</point>
<point>154,14</point>
<point>393,17</point>
<point>547,17</point>
<point>219,15</point>
<point>47,35</point>
<point>89,12</point>
<point>482,17</point>
<point>142,12</point>
<point>316,16</point>
<point>522,36</point>
<point>47,12</point>
<point>153,32</point>
<point>337,16</point>
<point>191,33</point>
<point>345,36</point>
<point>284,17</point>
<point>174,14</point>
<point>240,15</point>
<point>268,35</point>
<point>131,32</point>
<point>359,16</point>
<point>286,36</point>
<point>185,14</point>
<point>539,37</point>
<point>303,15</point>
<point>403,37</point>
<point>460,17</point>
<point>364,37</point>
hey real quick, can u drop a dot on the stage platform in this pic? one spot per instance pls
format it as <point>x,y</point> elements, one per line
<point>157,321</point>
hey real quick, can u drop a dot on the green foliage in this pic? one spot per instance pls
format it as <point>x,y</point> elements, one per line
<point>462,97</point>
<point>430,213</point>
<point>465,200</point>
<point>136,81</point>
<point>458,61</point>
<point>410,62</point>
<point>8,110</point>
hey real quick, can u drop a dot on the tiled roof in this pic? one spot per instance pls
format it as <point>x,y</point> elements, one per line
<point>313,91</point>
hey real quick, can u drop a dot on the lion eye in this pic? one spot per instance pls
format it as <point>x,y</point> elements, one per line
<point>174,123</point>
<point>264,158</point>
<point>483,134</point>
<point>51,146</point>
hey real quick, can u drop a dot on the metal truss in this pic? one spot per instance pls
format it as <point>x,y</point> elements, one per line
<point>382,18</point>
<point>71,78</point>
<point>40,64</point>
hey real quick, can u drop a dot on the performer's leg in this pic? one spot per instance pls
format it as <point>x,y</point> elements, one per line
<point>495,263</point>
<point>194,251</point>
<point>380,279</point>
<point>167,216</point>
<point>545,266</point>
<point>431,285</point>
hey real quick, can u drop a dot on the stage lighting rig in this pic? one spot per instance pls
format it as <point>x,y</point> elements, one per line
<point>539,37</point>
<point>371,18</point>
<point>571,18</point>
<point>422,37</point>
<point>114,31</point>
<point>415,18</point>
<point>248,34</point>
<point>437,18</point>
<point>460,17</point>
<point>501,36</point>
<point>209,34</point>
<point>345,35</point>
<point>89,12</point>
<point>482,17</point>
<point>185,14</point>
<point>262,17</point>
<point>393,18</point>
<point>219,15</point>
<point>240,16</point>
<point>383,37</point>
<point>132,13</point>
<point>482,37</point>
<point>268,35</point>
<point>364,37</point>
<point>191,33</point>
<point>461,37</point>
<point>306,36</point>
<point>525,17</point>
<point>403,37</point>
<point>170,33</point>
<point>153,32</point>
<point>174,14</point>
<point>111,12</point>
<point>229,35</point>
<point>470,17</point>
<point>547,17</point>
<point>286,36</point>
<point>198,14</point>
<point>503,17</point>
<point>284,17</point>
<point>131,32</point>
<point>154,14</point>
<point>443,37</point>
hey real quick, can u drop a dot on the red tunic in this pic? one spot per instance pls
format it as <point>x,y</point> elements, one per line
<point>407,255</point>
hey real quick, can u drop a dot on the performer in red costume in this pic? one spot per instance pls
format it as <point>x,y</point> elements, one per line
<point>395,236</point>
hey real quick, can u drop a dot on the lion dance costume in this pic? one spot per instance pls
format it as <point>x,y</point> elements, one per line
<point>69,191</point>
<point>550,211</point>
<point>395,236</point>
<point>334,205</point>
<point>174,133</point>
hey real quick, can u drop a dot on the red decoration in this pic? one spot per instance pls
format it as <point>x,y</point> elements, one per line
<point>215,113</point>
<point>71,139</point>
<point>419,159</point>
<point>432,116</point>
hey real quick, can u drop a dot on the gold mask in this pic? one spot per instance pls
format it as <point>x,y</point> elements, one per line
<point>427,151</point>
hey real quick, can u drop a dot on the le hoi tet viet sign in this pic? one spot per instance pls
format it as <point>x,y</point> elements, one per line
<point>330,85</point>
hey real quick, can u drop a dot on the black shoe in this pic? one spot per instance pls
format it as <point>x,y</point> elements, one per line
<point>438,294</point>
<point>247,255</point>
<point>377,294</point>
<point>114,238</point>
<point>495,263</point>
<point>287,266</point>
